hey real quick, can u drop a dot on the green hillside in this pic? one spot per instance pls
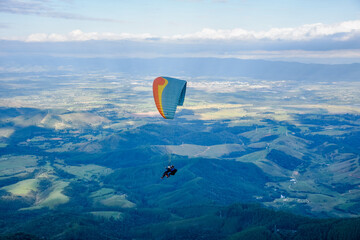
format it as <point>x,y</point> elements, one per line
<point>82,159</point>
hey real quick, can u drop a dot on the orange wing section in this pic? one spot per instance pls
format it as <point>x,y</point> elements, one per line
<point>158,87</point>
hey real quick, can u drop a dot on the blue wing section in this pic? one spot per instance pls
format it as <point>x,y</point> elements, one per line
<point>173,96</point>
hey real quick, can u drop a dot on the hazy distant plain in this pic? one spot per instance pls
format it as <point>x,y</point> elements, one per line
<point>86,108</point>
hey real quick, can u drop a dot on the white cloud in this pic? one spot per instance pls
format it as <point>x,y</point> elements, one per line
<point>309,43</point>
<point>305,32</point>
<point>78,35</point>
<point>338,32</point>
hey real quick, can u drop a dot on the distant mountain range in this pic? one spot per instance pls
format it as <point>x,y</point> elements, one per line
<point>50,56</point>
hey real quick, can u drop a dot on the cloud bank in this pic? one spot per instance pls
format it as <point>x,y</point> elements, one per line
<point>322,43</point>
<point>343,31</point>
<point>78,35</point>
<point>340,31</point>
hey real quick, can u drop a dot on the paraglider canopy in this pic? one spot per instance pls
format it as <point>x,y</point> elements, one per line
<point>168,94</point>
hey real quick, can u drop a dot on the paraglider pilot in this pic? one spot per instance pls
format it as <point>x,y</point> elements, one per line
<point>170,170</point>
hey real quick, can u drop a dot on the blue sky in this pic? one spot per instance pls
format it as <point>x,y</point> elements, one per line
<point>295,22</point>
<point>167,17</point>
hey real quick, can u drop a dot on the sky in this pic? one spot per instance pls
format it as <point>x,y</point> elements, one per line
<point>302,29</point>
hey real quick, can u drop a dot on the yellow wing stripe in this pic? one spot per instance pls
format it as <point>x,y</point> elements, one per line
<point>160,90</point>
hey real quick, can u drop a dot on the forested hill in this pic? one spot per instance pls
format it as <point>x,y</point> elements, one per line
<point>239,221</point>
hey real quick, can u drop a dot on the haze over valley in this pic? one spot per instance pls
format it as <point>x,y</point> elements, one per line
<point>92,142</point>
